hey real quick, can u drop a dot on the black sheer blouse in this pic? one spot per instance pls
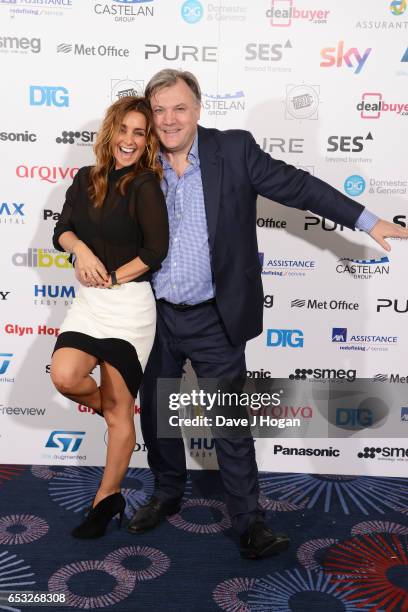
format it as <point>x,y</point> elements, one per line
<point>125,227</point>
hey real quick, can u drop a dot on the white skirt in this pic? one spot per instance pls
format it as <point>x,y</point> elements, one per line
<point>115,325</point>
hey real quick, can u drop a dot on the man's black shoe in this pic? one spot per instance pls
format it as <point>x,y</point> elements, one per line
<point>152,514</point>
<point>259,542</point>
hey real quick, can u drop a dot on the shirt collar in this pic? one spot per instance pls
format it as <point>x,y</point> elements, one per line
<point>192,156</point>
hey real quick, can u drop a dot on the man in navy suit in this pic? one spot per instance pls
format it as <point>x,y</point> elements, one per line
<point>209,289</point>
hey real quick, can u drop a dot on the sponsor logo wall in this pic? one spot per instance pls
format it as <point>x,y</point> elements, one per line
<point>321,88</point>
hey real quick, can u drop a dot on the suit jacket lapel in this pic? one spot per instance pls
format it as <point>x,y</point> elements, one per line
<point>211,165</point>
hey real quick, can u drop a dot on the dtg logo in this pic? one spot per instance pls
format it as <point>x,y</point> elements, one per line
<point>4,362</point>
<point>43,95</point>
<point>65,440</point>
<point>354,185</point>
<point>284,338</point>
<point>398,7</point>
<point>192,11</point>
<point>336,56</point>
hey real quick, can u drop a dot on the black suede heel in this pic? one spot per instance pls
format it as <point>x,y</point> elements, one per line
<point>95,524</point>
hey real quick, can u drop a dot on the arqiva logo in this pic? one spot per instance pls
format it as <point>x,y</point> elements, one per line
<point>51,174</point>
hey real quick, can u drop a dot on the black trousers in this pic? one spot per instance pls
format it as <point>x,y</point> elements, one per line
<point>198,335</point>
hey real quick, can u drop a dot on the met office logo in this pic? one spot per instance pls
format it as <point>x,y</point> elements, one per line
<point>354,185</point>
<point>192,11</point>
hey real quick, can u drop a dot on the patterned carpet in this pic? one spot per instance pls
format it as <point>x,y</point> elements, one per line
<point>349,551</point>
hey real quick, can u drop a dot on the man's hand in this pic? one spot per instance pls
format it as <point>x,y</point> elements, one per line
<point>384,229</point>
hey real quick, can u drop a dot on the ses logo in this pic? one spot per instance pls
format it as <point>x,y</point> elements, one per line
<point>286,267</point>
<point>65,441</point>
<point>323,374</point>
<point>292,338</point>
<point>125,10</point>
<point>354,185</point>
<point>121,88</point>
<point>283,12</point>
<point>338,56</point>
<point>192,11</point>
<point>372,105</point>
<point>363,268</point>
<point>82,139</point>
<point>41,258</point>
<point>12,213</point>
<point>362,343</point>
<point>265,56</point>
<point>302,101</point>
<point>45,95</point>
<point>224,103</point>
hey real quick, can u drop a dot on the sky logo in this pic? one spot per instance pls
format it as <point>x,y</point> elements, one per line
<point>192,11</point>
<point>339,334</point>
<point>354,185</point>
<point>338,56</point>
<point>65,440</point>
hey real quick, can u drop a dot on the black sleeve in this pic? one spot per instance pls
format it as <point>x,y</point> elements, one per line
<point>64,224</point>
<point>152,217</point>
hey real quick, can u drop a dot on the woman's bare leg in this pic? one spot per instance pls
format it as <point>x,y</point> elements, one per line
<point>118,410</point>
<point>70,373</point>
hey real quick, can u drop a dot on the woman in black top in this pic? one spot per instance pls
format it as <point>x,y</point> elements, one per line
<point>114,221</point>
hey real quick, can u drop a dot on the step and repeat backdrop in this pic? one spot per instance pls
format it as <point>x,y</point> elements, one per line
<point>321,84</point>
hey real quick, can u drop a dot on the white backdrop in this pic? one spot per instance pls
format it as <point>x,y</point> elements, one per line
<point>320,84</point>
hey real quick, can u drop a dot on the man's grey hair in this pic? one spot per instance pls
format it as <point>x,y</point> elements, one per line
<point>169,77</point>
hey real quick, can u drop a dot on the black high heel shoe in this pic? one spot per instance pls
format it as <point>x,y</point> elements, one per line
<point>98,518</point>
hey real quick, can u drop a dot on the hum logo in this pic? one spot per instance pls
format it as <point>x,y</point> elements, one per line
<point>54,291</point>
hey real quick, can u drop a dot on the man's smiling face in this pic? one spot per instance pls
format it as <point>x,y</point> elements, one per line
<point>176,112</point>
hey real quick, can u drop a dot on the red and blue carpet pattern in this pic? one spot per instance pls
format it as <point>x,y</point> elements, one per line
<point>349,545</point>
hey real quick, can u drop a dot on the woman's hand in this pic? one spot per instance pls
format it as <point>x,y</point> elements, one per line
<point>89,269</point>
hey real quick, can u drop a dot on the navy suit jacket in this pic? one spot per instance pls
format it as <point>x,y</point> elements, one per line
<point>234,172</point>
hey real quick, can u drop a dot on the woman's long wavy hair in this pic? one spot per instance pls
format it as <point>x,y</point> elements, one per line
<point>105,160</point>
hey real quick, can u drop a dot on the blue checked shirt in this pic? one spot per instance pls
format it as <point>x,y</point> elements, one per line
<point>185,276</point>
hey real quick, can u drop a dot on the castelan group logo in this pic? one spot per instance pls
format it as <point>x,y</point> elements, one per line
<point>339,56</point>
<point>372,106</point>
<point>221,104</point>
<point>283,12</point>
<point>363,268</point>
<point>125,10</point>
